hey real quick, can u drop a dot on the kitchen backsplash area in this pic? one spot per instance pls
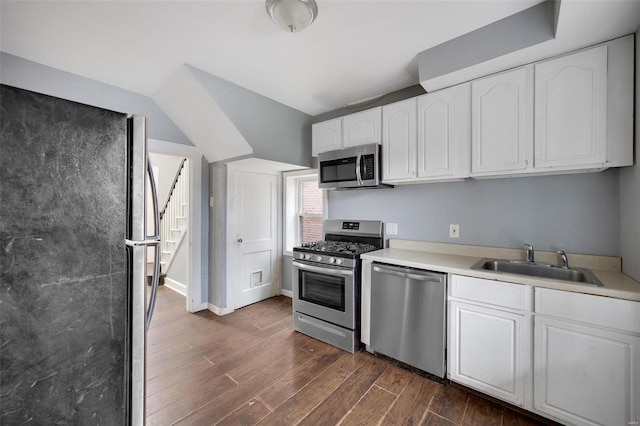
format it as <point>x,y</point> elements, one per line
<point>577,212</point>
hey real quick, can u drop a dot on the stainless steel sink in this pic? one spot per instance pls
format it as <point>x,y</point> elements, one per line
<point>540,270</point>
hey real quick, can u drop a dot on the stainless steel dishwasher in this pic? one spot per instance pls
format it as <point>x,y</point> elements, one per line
<point>408,308</point>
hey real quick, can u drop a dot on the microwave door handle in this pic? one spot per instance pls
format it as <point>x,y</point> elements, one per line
<point>358,174</point>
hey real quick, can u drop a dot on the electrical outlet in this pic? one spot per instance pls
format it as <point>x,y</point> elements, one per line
<point>454,231</point>
<point>391,228</point>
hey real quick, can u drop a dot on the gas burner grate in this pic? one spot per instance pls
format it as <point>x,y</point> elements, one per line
<point>342,247</point>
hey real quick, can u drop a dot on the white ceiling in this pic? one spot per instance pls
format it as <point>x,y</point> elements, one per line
<point>354,50</point>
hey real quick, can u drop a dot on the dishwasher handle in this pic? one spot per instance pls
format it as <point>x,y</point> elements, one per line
<point>413,275</point>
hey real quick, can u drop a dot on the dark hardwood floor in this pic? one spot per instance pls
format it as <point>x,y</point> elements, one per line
<point>251,367</point>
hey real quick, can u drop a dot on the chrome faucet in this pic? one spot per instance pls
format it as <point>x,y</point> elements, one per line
<point>565,261</point>
<point>530,252</point>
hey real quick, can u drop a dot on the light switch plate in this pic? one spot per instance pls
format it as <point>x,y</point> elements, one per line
<point>391,228</point>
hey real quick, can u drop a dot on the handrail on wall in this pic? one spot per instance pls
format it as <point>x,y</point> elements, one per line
<point>173,186</point>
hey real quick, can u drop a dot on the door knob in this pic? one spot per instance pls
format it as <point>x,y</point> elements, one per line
<point>239,240</point>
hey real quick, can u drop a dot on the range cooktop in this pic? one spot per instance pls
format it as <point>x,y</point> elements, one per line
<point>337,248</point>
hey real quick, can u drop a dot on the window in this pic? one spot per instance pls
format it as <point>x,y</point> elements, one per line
<point>304,208</point>
<point>310,211</point>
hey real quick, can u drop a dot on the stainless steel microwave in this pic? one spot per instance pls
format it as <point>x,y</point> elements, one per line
<point>350,168</point>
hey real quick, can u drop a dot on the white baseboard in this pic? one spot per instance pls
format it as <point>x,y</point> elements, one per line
<point>218,310</point>
<point>287,293</point>
<point>201,307</point>
<point>175,286</point>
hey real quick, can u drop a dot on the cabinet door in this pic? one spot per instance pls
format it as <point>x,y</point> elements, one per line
<point>326,136</point>
<point>489,350</point>
<point>362,128</point>
<point>571,109</point>
<point>584,374</point>
<point>399,140</point>
<point>443,137</point>
<point>502,122</point>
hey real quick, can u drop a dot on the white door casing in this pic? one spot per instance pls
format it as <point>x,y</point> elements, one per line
<point>196,299</point>
<point>252,236</point>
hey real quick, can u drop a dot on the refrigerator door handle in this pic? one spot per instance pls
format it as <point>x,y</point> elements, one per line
<point>151,241</point>
<point>155,239</point>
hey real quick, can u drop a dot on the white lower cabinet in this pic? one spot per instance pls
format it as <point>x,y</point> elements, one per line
<point>586,373</point>
<point>489,350</point>
<point>571,357</point>
<point>489,346</point>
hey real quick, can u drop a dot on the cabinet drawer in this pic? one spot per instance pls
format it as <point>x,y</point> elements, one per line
<point>623,315</point>
<point>508,295</point>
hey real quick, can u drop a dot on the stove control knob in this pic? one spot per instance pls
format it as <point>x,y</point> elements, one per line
<point>332,260</point>
<point>307,256</point>
<point>339,261</point>
<point>318,258</point>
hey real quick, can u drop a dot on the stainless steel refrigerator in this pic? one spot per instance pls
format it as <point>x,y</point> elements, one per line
<point>73,272</point>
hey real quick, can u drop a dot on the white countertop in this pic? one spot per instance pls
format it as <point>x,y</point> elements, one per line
<point>616,284</point>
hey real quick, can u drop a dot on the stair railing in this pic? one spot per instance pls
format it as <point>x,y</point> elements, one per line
<point>173,211</point>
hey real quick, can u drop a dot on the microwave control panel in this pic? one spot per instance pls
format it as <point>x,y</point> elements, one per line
<point>368,169</point>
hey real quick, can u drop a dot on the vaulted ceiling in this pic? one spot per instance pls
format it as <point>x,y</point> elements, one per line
<point>354,50</point>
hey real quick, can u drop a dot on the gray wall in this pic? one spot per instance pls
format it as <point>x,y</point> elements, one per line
<point>630,195</point>
<point>28,75</point>
<point>217,235</point>
<point>389,98</point>
<point>578,213</point>
<point>275,132</point>
<point>287,279</point>
<point>532,26</point>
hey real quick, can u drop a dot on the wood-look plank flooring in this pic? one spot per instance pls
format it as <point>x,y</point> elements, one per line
<point>251,367</point>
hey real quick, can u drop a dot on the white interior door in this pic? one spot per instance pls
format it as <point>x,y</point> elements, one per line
<point>253,234</point>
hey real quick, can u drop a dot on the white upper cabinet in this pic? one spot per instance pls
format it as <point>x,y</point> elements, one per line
<point>571,110</point>
<point>427,138</point>
<point>362,128</point>
<point>356,129</point>
<point>443,133</point>
<point>582,121</point>
<point>502,122</point>
<point>399,140</point>
<point>583,114</point>
<point>326,136</point>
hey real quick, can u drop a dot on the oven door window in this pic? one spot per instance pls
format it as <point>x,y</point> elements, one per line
<point>322,289</point>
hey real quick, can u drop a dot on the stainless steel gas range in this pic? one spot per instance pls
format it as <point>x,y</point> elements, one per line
<point>326,281</point>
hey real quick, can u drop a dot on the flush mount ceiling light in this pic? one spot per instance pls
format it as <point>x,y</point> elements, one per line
<point>292,15</point>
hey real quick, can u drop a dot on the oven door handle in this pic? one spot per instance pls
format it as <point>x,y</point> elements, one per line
<point>323,270</point>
